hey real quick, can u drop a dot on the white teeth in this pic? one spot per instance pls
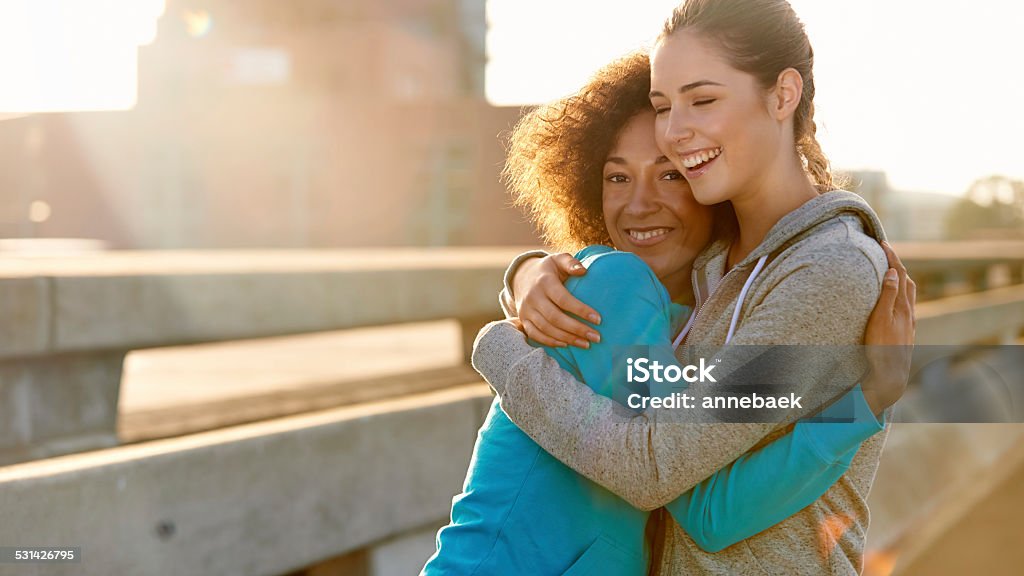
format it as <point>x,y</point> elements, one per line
<point>649,234</point>
<point>701,157</point>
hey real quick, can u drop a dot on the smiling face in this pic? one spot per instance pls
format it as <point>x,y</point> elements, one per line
<point>713,121</point>
<point>648,207</point>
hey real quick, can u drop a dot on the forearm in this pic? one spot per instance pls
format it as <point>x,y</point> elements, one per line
<point>648,459</point>
<point>764,487</point>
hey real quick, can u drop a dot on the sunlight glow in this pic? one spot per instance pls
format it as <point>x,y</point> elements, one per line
<point>65,55</point>
<point>928,94</point>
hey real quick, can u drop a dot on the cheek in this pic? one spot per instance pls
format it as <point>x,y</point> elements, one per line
<point>609,211</point>
<point>660,129</point>
<point>701,222</point>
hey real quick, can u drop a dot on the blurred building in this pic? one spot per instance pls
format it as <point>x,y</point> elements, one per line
<point>906,216</point>
<point>262,123</point>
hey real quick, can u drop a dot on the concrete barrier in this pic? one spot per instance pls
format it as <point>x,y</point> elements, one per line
<point>66,323</point>
<point>259,499</point>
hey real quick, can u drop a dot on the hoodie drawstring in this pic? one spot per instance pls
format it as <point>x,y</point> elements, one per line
<point>743,294</point>
<point>679,339</point>
<point>735,313</point>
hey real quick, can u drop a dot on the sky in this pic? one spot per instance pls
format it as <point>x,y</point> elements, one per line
<point>930,92</point>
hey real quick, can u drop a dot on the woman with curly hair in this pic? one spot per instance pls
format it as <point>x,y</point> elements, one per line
<point>588,170</point>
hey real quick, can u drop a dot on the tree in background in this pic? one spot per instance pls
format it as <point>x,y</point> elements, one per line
<point>993,208</point>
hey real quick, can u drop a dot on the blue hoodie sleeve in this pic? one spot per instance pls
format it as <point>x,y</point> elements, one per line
<point>760,488</point>
<point>765,486</point>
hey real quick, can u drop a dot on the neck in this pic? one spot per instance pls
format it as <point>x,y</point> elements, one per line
<point>761,206</point>
<point>679,287</point>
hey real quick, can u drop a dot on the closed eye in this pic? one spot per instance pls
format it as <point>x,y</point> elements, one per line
<point>703,101</point>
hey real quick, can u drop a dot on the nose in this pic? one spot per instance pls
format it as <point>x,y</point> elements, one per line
<point>677,128</point>
<point>642,199</point>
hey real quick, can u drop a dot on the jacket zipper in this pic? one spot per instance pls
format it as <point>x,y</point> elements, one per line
<point>703,304</point>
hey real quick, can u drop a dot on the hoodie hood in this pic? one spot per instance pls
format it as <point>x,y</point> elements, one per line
<point>815,211</point>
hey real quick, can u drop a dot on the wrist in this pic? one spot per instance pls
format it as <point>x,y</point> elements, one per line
<point>874,400</point>
<point>521,275</point>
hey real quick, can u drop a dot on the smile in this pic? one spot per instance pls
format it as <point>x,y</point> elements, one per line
<point>695,160</point>
<point>648,236</point>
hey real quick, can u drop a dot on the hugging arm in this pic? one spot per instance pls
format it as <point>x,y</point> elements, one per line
<point>757,490</point>
<point>651,458</point>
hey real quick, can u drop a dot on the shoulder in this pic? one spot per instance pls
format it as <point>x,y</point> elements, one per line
<point>613,274</point>
<point>837,247</point>
<point>605,262</point>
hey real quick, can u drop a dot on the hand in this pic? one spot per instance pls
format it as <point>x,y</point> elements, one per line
<point>889,337</point>
<point>543,302</point>
<point>517,323</point>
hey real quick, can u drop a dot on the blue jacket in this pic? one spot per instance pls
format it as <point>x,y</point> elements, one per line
<point>522,511</point>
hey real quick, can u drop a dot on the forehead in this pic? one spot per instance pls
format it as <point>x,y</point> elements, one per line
<point>686,57</point>
<point>637,138</point>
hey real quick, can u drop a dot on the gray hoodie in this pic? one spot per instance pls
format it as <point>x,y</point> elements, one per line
<point>820,279</point>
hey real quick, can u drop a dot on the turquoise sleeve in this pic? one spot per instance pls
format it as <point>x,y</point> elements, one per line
<point>757,490</point>
<point>764,487</point>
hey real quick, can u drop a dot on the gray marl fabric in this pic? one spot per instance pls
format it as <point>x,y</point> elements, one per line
<point>819,286</point>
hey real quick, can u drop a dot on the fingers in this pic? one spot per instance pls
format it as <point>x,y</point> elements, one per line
<point>549,323</point>
<point>912,300</point>
<point>559,329</point>
<point>556,292</point>
<point>569,303</point>
<point>546,307</point>
<point>534,334</point>
<point>568,265</point>
<point>890,291</point>
<point>890,255</point>
<point>560,326</point>
<point>902,303</point>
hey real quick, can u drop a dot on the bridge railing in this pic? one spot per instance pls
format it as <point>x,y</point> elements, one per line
<point>66,324</point>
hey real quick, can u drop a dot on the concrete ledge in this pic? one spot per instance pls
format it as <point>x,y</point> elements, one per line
<point>131,300</point>
<point>25,316</point>
<point>126,301</point>
<point>971,318</point>
<point>264,498</point>
<point>58,405</point>
<point>148,311</point>
<point>931,475</point>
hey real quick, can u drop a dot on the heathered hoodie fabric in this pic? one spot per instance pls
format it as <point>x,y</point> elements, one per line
<point>821,280</point>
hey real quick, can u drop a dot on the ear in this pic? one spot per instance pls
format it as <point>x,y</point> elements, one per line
<point>789,88</point>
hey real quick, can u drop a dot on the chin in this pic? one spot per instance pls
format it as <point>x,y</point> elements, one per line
<point>710,195</point>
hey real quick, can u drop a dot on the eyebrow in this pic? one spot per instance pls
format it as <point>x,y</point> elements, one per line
<point>687,87</point>
<point>619,160</point>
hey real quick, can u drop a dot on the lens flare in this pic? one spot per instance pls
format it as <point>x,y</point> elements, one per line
<point>197,22</point>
